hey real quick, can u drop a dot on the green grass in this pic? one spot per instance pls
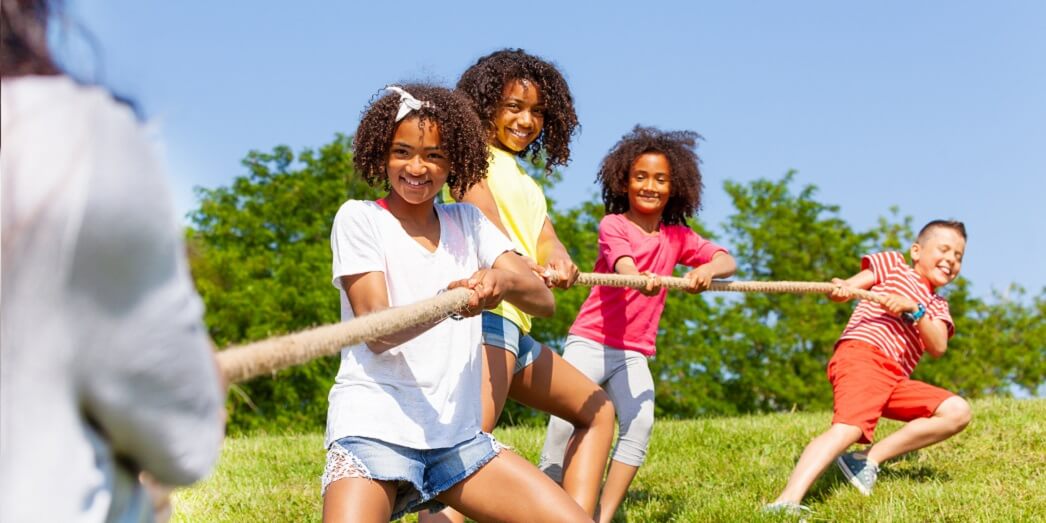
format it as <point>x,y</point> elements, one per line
<point>718,469</point>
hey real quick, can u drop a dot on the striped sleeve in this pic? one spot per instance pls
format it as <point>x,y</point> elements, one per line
<point>881,263</point>
<point>938,309</point>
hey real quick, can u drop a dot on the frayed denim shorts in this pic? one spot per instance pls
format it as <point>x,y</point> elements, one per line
<point>499,331</point>
<point>419,474</point>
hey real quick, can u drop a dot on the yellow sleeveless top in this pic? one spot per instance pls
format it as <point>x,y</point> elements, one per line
<point>523,210</point>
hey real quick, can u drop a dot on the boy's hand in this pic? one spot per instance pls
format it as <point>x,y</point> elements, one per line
<point>897,304</point>
<point>653,285</point>
<point>842,291</point>
<point>699,279</point>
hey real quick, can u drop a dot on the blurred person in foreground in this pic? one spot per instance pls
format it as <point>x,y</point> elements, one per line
<point>106,370</point>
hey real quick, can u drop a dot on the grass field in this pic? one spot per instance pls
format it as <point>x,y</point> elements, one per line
<point>717,469</point>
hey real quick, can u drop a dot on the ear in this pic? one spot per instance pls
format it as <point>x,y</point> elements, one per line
<point>914,251</point>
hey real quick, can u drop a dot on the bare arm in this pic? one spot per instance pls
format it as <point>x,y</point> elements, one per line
<point>862,280</point>
<point>627,265</point>
<point>512,280</point>
<point>721,265</point>
<point>553,255</point>
<point>367,293</point>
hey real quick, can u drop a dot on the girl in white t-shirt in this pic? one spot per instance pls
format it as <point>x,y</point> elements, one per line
<point>404,423</point>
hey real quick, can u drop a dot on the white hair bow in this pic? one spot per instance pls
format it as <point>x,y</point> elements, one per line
<point>407,102</point>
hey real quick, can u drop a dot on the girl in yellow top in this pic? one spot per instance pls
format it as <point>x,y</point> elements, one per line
<point>527,107</point>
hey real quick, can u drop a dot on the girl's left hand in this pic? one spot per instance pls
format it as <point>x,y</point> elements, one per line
<point>560,272</point>
<point>489,288</point>
<point>699,279</point>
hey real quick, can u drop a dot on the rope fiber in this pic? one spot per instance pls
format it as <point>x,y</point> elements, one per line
<point>241,363</point>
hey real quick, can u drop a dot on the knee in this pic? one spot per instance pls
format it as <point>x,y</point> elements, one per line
<point>957,411</point>
<point>604,415</point>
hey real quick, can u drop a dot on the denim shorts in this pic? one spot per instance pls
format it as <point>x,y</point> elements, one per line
<point>499,331</point>
<point>419,474</point>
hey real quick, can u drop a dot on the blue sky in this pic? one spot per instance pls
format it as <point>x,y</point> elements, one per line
<point>936,107</point>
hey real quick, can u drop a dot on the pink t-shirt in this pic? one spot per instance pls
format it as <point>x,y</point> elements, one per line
<point>624,318</point>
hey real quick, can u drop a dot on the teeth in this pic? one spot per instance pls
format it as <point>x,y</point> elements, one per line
<point>418,183</point>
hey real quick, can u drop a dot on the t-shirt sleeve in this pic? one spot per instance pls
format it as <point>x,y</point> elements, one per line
<point>355,241</point>
<point>696,250</point>
<point>614,239</point>
<point>881,263</point>
<point>938,309</point>
<point>490,241</point>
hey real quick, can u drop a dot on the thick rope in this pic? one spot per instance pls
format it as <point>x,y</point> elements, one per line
<point>241,363</point>
<point>591,279</point>
<point>268,356</point>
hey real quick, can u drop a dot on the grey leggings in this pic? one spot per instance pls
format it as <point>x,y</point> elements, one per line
<point>625,375</point>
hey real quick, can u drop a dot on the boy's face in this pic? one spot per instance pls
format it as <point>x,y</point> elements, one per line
<point>649,183</point>
<point>520,116</point>
<point>938,256</point>
<point>417,166</point>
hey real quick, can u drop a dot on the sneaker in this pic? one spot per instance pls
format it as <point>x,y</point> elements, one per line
<point>788,508</point>
<point>861,472</point>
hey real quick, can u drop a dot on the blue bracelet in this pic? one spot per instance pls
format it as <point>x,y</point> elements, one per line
<point>912,317</point>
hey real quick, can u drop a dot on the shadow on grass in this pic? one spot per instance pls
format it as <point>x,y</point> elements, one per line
<point>667,503</point>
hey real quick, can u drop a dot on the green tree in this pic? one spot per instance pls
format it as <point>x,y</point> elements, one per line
<point>260,254</point>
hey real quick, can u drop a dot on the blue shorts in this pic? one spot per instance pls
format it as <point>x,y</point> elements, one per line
<point>499,331</point>
<point>419,474</point>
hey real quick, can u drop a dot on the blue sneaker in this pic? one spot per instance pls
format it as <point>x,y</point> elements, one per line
<point>861,472</point>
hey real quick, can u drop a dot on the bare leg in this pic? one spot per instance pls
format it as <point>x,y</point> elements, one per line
<point>552,385</point>
<point>509,488</point>
<point>359,499</point>
<point>817,455</point>
<point>950,418</point>
<point>618,480</point>
<point>499,365</point>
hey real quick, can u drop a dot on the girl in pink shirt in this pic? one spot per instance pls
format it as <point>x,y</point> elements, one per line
<point>651,185</point>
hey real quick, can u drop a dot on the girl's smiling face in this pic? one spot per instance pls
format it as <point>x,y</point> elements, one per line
<point>649,183</point>
<point>417,165</point>
<point>520,116</point>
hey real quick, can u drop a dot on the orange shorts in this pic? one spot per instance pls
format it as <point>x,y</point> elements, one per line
<point>868,385</point>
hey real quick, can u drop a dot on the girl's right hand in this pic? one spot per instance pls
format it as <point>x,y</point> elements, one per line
<point>653,285</point>
<point>842,292</point>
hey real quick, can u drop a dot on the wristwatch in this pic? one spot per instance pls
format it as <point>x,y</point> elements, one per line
<point>911,317</point>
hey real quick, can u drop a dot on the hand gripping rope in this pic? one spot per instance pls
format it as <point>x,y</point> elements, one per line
<point>241,363</point>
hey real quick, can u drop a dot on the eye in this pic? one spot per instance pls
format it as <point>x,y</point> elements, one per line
<point>539,111</point>
<point>437,155</point>
<point>400,152</point>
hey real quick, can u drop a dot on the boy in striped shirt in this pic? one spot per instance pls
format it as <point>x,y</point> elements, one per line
<point>874,358</point>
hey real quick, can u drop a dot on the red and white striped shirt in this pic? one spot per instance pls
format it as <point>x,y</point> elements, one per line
<point>871,323</point>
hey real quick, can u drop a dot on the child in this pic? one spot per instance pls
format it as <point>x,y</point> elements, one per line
<point>874,357</point>
<point>651,184</point>
<point>404,427</point>
<point>527,108</point>
<point>106,369</point>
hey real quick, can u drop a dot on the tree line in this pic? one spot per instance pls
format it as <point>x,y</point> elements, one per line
<point>260,255</point>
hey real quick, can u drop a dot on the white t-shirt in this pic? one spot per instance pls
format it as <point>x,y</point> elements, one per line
<point>105,366</point>
<point>424,393</point>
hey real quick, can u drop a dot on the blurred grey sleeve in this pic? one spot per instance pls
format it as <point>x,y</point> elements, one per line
<point>146,369</point>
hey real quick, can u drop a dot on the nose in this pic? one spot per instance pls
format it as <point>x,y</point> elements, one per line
<point>525,119</point>
<point>415,166</point>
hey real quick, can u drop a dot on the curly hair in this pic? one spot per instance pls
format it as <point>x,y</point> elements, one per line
<point>461,135</point>
<point>485,82</point>
<point>679,147</point>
